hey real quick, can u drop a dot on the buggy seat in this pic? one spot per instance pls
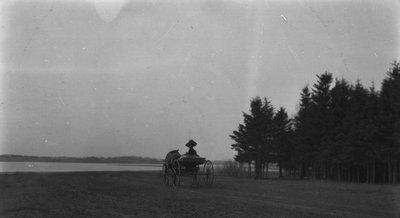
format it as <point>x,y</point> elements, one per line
<point>191,162</point>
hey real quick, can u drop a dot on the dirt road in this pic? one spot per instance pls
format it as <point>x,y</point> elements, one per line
<point>142,194</point>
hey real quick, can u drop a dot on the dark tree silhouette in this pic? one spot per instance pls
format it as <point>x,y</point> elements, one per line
<point>253,139</point>
<point>340,97</point>
<point>341,132</point>
<point>390,96</point>
<point>322,120</point>
<point>304,128</point>
<point>281,137</point>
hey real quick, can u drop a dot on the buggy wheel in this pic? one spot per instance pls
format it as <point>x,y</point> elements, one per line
<point>208,173</point>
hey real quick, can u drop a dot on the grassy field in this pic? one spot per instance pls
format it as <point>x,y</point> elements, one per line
<point>142,194</point>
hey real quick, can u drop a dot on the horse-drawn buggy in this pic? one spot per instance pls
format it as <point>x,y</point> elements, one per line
<point>176,166</point>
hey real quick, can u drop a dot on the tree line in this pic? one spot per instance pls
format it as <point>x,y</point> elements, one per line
<point>121,159</point>
<point>341,131</point>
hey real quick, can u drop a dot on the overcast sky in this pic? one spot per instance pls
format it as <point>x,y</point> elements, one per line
<point>140,78</point>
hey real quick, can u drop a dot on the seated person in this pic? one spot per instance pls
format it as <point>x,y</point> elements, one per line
<point>190,145</point>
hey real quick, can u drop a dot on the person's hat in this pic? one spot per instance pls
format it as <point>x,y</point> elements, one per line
<point>191,143</point>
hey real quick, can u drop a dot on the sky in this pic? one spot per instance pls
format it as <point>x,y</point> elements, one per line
<point>117,78</point>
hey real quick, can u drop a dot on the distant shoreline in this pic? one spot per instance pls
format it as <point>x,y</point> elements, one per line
<point>116,160</point>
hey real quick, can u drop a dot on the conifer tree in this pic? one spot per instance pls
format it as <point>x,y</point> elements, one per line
<point>253,139</point>
<point>322,120</point>
<point>281,137</point>
<point>340,97</point>
<point>390,95</point>
<point>304,132</point>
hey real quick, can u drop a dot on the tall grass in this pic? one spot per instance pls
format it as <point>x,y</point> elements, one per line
<point>231,168</point>
<point>235,169</point>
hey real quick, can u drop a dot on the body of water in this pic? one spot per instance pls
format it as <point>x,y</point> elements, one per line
<point>73,167</point>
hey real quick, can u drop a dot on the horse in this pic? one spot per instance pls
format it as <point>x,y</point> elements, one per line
<point>171,157</point>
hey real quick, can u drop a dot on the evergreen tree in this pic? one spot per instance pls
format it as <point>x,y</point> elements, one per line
<point>241,146</point>
<point>390,95</point>
<point>281,137</point>
<point>357,139</point>
<point>303,135</point>
<point>269,153</point>
<point>322,120</point>
<point>340,97</point>
<point>344,132</point>
<point>253,138</point>
<point>374,124</point>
